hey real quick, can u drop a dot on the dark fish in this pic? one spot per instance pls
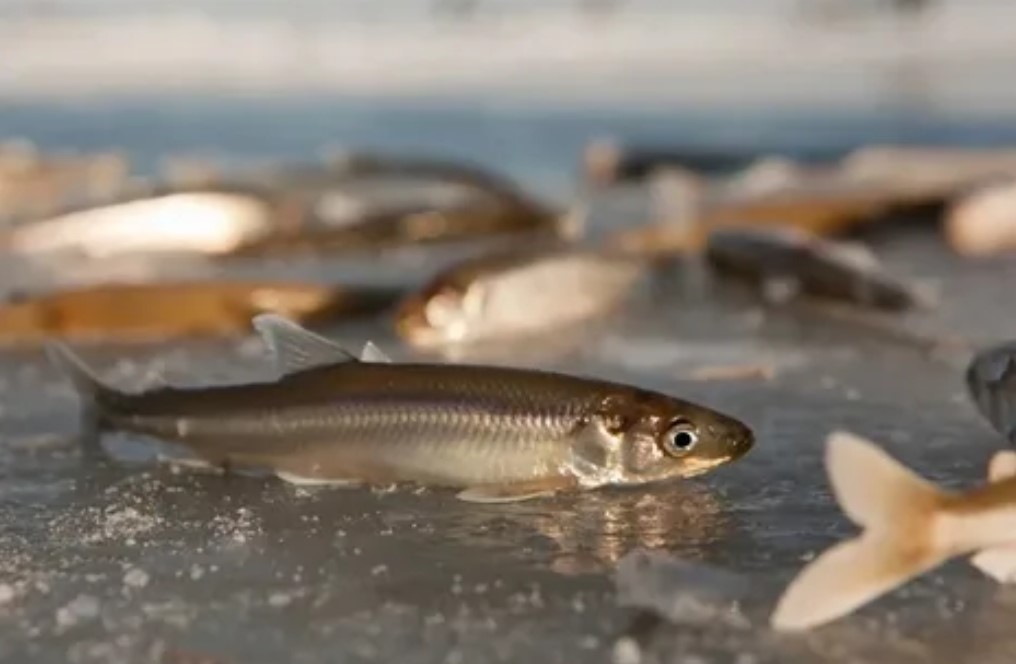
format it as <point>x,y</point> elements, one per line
<point>412,223</point>
<point>500,434</point>
<point>608,163</point>
<point>795,261</point>
<point>377,201</point>
<point>991,382</point>
<point>136,312</point>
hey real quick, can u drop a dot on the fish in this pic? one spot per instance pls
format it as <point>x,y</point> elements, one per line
<point>787,261</point>
<point>360,200</point>
<point>990,378</point>
<point>210,221</point>
<point>498,434</point>
<point>516,292</point>
<point>983,222</point>
<point>606,162</point>
<point>910,528</point>
<point>134,312</point>
<point>363,227</point>
<point>770,194</point>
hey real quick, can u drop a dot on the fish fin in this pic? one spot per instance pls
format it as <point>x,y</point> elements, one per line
<point>91,390</point>
<point>873,489</point>
<point>510,493</point>
<point>296,348</point>
<point>899,511</point>
<point>371,353</point>
<point>1002,466</point>
<point>300,480</point>
<point>190,463</point>
<point>997,562</point>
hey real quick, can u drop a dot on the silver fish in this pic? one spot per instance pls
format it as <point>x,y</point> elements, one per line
<point>516,293</point>
<point>500,434</point>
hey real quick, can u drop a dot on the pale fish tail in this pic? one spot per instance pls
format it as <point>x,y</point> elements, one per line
<point>898,511</point>
<point>999,562</point>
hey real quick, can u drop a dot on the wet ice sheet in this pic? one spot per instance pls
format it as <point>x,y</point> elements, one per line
<point>137,562</point>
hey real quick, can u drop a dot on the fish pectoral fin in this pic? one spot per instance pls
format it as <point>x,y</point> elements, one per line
<point>296,348</point>
<point>371,353</point>
<point>997,562</point>
<point>301,480</point>
<point>510,493</point>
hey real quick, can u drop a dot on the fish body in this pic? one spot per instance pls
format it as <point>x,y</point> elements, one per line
<point>516,293</point>
<point>910,527</point>
<point>498,433</point>
<point>807,264</point>
<point>207,221</point>
<point>372,201</point>
<point>140,311</point>
<point>361,226</point>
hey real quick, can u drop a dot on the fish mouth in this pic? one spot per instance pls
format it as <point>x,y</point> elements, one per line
<point>741,443</point>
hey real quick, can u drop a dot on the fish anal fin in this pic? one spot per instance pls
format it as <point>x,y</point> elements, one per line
<point>302,480</point>
<point>511,493</point>
<point>191,463</point>
<point>997,562</point>
<point>296,348</point>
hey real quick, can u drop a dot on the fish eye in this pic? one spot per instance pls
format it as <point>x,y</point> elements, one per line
<point>680,438</point>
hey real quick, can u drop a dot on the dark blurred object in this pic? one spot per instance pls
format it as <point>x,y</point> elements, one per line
<point>991,383</point>
<point>362,200</point>
<point>607,163</point>
<point>157,311</point>
<point>785,262</point>
<point>681,591</point>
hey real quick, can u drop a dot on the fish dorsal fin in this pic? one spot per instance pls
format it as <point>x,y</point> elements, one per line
<point>371,353</point>
<point>296,348</point>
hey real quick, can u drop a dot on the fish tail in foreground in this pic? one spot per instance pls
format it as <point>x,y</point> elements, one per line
<point>95,395</point>
<point>898,511</point>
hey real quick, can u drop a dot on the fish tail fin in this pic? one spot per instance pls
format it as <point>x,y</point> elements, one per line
<point>94,394</point>
<point>898,510</point>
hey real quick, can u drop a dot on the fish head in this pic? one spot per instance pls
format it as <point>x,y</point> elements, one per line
<point>662,437</point>
<point>444,313</point>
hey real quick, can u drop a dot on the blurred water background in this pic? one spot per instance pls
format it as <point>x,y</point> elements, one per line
<point>523,83</point>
